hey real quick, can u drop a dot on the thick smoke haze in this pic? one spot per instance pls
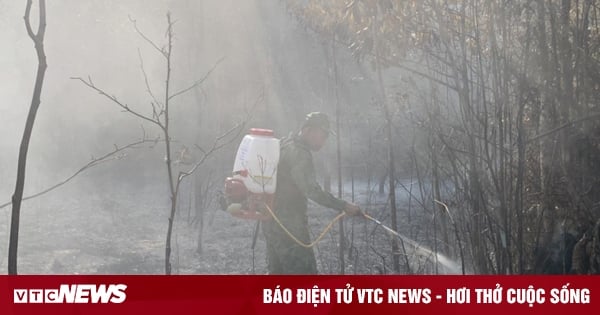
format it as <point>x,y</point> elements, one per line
<point>261,64</point>
<point>469,127</point>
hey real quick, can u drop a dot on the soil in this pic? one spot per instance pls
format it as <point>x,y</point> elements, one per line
<point>116,229</point>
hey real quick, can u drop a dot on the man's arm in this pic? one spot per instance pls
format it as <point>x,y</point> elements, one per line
<point>303,174</point>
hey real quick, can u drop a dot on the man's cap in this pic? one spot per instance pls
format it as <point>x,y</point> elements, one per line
<point>317,119</point>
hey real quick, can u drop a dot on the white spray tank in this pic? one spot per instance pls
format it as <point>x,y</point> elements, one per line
<point>255,167</point>
<point>256,161</point>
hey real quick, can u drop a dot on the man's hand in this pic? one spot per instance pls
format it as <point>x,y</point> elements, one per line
<point>352,209</point>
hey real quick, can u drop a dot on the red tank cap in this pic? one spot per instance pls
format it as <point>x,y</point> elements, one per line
<point>261,132</point>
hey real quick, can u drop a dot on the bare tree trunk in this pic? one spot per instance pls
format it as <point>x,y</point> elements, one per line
<point>382,179</point>
<point>391,166</point>
<point>443,222</point>
<point>521,154</point>
<point>392,192</point>
<point>38,40</point>
<point>168,147</point>
<point>548,118</point>
<point>339,157</point>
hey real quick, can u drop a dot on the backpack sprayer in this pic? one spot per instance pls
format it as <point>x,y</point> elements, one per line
<point>249,192</point>
<point>254,177</point>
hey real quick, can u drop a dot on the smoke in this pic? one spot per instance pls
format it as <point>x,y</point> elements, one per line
<point>270,67</point>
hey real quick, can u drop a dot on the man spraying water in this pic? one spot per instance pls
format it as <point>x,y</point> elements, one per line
<point>296,183</point>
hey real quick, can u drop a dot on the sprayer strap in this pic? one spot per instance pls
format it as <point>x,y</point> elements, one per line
<point>299,242</point>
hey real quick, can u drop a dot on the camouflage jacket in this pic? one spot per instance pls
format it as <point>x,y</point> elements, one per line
<point>296,183</point>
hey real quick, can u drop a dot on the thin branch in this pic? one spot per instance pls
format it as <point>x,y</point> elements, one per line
<point>137,30</point>
<point>39,37</point>
<point>27,21</point>
<point>148,89</point>
<point>42,23</point>
<point>198,82</point>
<point>565,125</point>
<point>236,127</point>
<point>397,64</point>
<point>217,145</point>
<point>91,85</point>
<point>90,164</point>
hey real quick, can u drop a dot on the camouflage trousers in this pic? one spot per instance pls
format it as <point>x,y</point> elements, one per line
<point>285,256</point>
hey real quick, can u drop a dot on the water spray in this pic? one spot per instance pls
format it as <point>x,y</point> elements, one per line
<point>445,261</point>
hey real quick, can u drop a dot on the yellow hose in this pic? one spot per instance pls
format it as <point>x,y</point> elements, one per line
<point>299,242</point>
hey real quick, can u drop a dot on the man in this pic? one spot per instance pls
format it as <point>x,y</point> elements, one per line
<point>296,183</point>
